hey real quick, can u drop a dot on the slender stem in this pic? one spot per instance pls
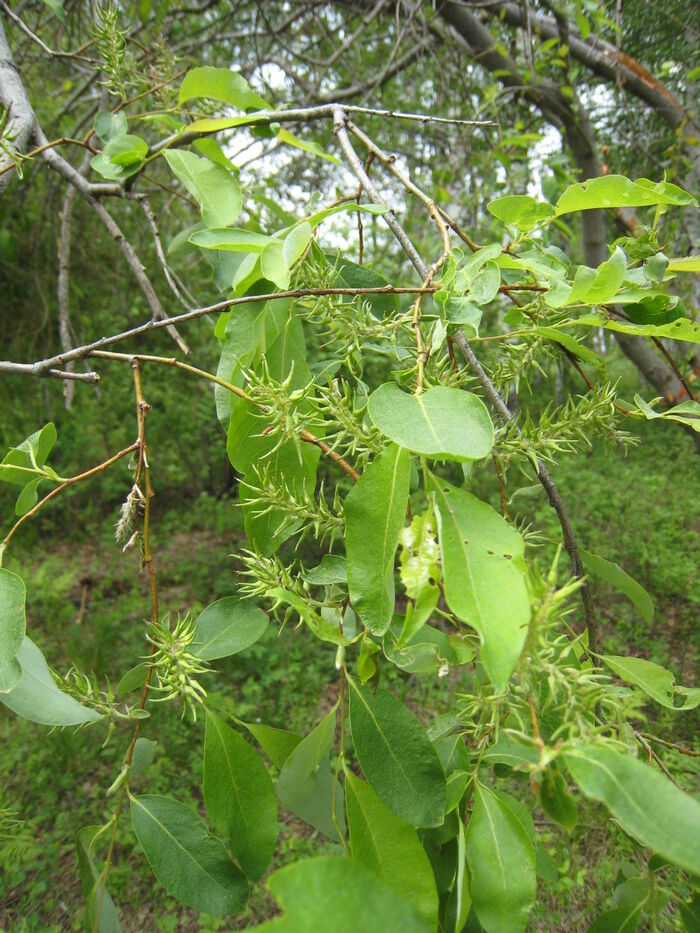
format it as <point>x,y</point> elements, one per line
<point>69,482</point>
<point>41,367</point>
<point>241,393</point>
<point>143,470</point>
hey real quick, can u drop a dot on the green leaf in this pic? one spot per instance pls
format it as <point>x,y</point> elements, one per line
<point>613,574</point>
<point>97,897</point>
<point>306,781</point>
<point>573,346</point>
<point>501,861</point>
<point>442,422</point>
<point>142,756</point>
<point>389,848</point>
<point>289,139</point>
<point>121,157</point>
<point>556,800</point>
<point>228,626</point>
<point>234,239</point>
<point>28,498</point>
<point>646,804</point>
<point>134,679</point>
<point>459,902</point>
<point>680,329</point>
<point>685,413</point>
<point>13,624</point>
<point>690,913</point>
<point>485,286</point>
<point>191,864</point>
<point>602,285</point>
<point>375,512</point>
<point>56,7</point>
<point>508,751</point>
<point>39,445</point>
<point>239,797</point>
<point>618,191</point>
<point>654,680</point>
<point>221,84</point>
<point>214,188</point>
<point>278,744</point>
<point>330,893</point>
<point>520,210</point>
<point>37,698</point>
<point>108,125</point>
<point>397,757</point>
<point>484,571</point>
<point>352,275</point>
<point>332,569</point>
<point>619,920</point>
<point>684,264</point>
<point>274,264</point>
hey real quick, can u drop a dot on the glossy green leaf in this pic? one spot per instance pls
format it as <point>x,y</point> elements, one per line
<point>214,188</point>
<point>654,680</point>
<point>484,572</point>
<point>329,893</point>
<point>501,860</point>
<point>278,744</point>
<point>220,84</point>
<point>613,574</point>
<point>228,626</point>
<point>375,512</point>
<point>389,848</point>
<point>618,191</point>
<point>306,782</point>
<point>97,897</point>
<point>37,698</point>
<point>305,145</point>
<point>396,756</point>
<point>191,864</point>
<point>239,797</point>
<point>442,422</point>
<point>13,624</point>
<point>669,827</point>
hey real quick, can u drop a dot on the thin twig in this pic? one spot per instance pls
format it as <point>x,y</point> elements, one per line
<point>65,484</point>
